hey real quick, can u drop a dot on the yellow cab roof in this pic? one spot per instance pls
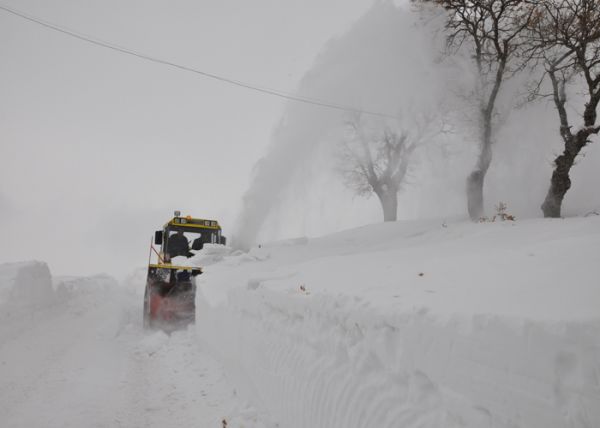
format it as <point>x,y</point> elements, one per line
<point>191,222</point>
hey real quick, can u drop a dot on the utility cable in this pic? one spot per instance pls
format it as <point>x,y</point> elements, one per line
<point>127,51</point>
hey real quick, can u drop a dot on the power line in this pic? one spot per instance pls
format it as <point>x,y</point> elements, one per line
<point>127,51</point>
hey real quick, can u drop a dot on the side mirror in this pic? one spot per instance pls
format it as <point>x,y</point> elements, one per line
<point>158,237</point>
<point>223,240</point>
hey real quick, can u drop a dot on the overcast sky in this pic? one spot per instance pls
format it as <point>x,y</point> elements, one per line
<point>98,148</point>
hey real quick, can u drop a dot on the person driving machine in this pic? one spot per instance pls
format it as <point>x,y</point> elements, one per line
<point>178,245</point>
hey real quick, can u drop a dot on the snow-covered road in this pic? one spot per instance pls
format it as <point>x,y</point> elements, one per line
<point>414,325</point>
<point>84,360</point>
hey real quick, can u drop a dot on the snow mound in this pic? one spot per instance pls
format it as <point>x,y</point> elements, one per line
<point>85,284</point>
<point>213,254</point>
<point>208,255</point>
<point>26,284</point>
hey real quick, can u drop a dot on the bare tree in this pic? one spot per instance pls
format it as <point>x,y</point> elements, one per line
<point>490,31</point>
<point>377,159</point>
<point>565,35</point>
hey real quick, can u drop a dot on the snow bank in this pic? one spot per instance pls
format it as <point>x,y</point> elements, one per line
<point>68,286</point>
<point>26,284</point>
<point>430,324</point>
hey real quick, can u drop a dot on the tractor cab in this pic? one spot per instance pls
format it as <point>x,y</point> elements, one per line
<point>197,232</point>
<point>169,298</point>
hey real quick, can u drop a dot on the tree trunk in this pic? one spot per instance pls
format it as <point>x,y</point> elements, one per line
<point>475,183</point>
<point>476,179</point>
<point>389,204</point>
<point>559,184</point>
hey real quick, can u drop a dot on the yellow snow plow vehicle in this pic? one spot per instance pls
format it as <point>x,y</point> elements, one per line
<point>170,295</point>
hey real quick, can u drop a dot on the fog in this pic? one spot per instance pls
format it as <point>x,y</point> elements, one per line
<point>392,61</point>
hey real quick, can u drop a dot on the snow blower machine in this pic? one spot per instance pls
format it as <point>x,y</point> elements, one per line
<point>170,295</point>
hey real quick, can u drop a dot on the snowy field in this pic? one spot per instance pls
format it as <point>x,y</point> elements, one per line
<point>406,324</point>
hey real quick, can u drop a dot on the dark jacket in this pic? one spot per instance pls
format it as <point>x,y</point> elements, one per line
<point>178,246</point>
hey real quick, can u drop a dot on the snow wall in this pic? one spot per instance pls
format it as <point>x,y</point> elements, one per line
<point>326,363</point>
<point>29,286</point>
<point>26,284</point>
<point>30,296</point>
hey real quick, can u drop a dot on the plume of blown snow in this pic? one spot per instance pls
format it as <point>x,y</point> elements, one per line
<point>384,63</point>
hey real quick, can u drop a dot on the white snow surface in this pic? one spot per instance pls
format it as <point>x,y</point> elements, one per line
<point>415,324</point>
<point>409,324</point>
